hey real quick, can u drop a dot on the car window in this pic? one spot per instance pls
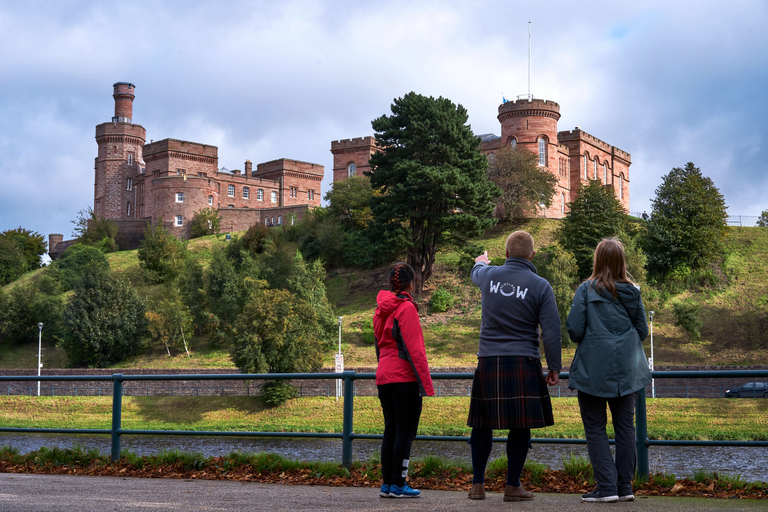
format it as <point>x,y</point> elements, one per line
<point>749,385</point>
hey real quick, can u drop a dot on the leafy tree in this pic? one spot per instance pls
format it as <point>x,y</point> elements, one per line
<point>688,223</point>
<point>105,320</point>
<point>161,254</point>
<point>762,221</point>
<point>27,305</point>
<point>558,266</point>
<point>12,262</point>
<point>432,179</point>
<point>96,231</point>
<point>307,282</point>
<point>524,184</point>
<point>30,244</point>
<point>206,222</point>
<point>169,319</point>
<point>192,287</point>
<point>594,215</point>
<point>350,202</point>
<point>75,261</point>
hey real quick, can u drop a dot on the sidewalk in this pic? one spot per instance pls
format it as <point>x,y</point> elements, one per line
<point>49,493</point>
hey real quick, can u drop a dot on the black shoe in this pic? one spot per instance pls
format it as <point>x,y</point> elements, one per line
<point>599,497</point>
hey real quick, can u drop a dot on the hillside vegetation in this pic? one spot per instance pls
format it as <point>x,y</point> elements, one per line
<point>734,313</point>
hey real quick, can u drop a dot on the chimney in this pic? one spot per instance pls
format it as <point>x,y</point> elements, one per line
<point>248,168</point>
<point>123,94</point>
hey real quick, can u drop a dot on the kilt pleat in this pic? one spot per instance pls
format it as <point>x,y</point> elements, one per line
<point>509,392</point>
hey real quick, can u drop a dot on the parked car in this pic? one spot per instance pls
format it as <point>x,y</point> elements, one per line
<point>749,390</point>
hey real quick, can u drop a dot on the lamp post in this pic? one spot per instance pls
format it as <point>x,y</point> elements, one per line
<point>339,362</point>
<point>39,352</point>
<point>650,361</point>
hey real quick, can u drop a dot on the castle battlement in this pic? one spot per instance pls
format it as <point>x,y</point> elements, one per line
<point>579,134</point>
<point>357,142</point>
<point>181,146</point>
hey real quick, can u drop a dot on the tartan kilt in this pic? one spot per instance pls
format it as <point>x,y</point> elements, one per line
<point>509,392</point>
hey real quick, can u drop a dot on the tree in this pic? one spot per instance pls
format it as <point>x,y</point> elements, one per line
<point>161,254</point>
<point>432,180</point>
<point>12,262</point>
<point>97,231</point>
<point>25,306</point>
<point>206,222</point>
<point>75,261</point>
<point>687,227</point>
<point>350,202</point>
<point>524,184</point>
<point>594,215</point>
<point>105,321</point>
<point>762,220</point>
<point>169,319</point>
<point>30,244</point>
<point>559,268</point>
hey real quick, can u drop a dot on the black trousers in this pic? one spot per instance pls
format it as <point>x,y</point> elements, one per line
<point>401,404</point>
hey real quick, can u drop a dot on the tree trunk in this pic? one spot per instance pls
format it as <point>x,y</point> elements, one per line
<point>185,342</point>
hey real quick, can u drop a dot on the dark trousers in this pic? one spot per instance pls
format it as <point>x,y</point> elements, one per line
<point>401,404</point>
<point>612,477</point>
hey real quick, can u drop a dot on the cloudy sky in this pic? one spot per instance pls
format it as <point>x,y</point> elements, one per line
<point>667,81</point>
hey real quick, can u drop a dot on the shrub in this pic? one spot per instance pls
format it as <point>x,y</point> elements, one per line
<point>161,254</point>
<point>277,392</point>
<point>687,314</point>
<point>206,222</point>
<point>368,335</point>
<point>441,300</point>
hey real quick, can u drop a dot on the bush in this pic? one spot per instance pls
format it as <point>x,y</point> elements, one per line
<point>559,268</point>
<point>206,222</point>
<point>441,300</point>
<point>368,335</point>
<point>161,254</point>
<point>277,392</point>
<point>75,261</point>
<point>687,314</point>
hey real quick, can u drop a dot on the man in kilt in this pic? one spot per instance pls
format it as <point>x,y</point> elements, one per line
<point>509,390</point>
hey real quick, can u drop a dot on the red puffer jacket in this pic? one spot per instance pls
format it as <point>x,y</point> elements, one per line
<point>400,342</point>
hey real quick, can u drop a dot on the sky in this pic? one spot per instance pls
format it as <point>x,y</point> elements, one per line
<point>670,82</point>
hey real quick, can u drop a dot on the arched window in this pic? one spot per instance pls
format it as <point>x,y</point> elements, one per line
<point>594,170</point>
<point>279,220</point>
<point>266,221</point>
<point>351,169</point>
<point>562,203</point>
<point>585,166</point>
<point>542,152</point>
<point>513,143</point>
<point>210,200</point>
<point>128,211</point>
<point>259,195</point>
<point>605,172</point>
<point>274,196</point>
<point>621,187</point>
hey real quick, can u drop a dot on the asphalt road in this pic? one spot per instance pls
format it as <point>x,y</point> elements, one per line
<point>48,493</point>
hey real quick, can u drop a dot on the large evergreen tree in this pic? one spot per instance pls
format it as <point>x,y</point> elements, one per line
<point>432,179</point>
<point>688,222</point>
<point>594,215</point>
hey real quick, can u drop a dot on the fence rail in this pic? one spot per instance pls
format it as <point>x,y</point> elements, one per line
<point>347,434</point>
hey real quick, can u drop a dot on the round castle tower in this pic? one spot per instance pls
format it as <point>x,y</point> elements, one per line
<point>119,159</point>
<point>526,121</point>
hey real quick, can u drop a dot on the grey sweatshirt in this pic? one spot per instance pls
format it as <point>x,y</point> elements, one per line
<point>515,301</point>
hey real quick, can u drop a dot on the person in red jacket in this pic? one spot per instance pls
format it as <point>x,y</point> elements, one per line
<point>402,377</point>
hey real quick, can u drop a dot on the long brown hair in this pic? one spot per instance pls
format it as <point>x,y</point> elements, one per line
<point>610,265</point>
<point>400,276</point>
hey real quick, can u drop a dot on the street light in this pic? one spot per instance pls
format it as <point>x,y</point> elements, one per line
<point>39,352</point>
<point>650,361</point>
<point>339,362</point>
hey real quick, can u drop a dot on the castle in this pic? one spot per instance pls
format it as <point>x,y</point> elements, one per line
<point>138,183</point>
<point>572,156</point>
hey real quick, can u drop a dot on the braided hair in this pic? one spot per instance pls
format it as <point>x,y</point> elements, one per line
<point>400,276</point>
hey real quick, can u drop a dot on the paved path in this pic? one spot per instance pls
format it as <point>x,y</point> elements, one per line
<point>49,493</point>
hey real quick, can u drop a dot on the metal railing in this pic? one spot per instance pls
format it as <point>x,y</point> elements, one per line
<point>347,434</point>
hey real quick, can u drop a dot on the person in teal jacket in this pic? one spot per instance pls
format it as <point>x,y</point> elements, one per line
<point>607,321</point>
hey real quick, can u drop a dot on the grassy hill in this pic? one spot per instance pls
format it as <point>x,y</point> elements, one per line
<point>734,315</point>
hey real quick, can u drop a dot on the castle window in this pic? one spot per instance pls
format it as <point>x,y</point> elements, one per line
<point>129,184</point>
<point>179,197</point>
<point>180,172</point>
<point>605,173</point>
<point>130,158</point>
<point>279,220</point>
<point>201,174</point>
<point>273,221</point>
<point>266,221</point>
<point>230,206</point>
<point>292,219</point>
<point>351,169</point>
<point>621,187</point>
<point>143,170</point>
<point>294,191</point>
<point>231,191</point>
<point>542,152</point>
<point>562,203</point>
<point>274,196</point>
<point>179,220</point>
<point>311,195</point>
<point>513,143</point>
<point>210,200</point>
<point>585,166</point>
<point>259,195</point>
<point>594,170</point>
<point>246,192</point>
<point>128,210</point>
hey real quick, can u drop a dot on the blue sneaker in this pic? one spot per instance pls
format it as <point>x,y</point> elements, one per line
<point>384,493</point>
<point>395,491</point>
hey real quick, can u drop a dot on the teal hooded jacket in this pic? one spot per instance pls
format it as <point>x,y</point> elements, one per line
<point>609,360</point>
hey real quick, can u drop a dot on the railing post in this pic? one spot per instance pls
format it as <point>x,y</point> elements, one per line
<point>117,405</point>
<point>641,436</point>
<point>346,432</point>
